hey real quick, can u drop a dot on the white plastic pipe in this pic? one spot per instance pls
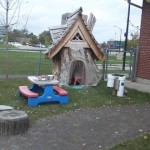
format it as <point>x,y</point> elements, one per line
<point>120,92</point>
<point>110,81</point>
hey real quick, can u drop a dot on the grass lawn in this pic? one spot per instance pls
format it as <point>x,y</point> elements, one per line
<point>89,97</point>
<point>26,62</point>
<point>112,59</point>
<point>115,66</point>
<point>140,143</point>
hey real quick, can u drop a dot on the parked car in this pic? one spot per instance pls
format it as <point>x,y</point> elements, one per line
<point>15,44</point>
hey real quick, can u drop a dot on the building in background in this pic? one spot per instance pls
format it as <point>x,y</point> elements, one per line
<point>115,45</point>
<point>2,32</point>
<point>143,54</point>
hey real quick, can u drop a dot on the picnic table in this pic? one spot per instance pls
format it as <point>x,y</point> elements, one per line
<point>43,90</point>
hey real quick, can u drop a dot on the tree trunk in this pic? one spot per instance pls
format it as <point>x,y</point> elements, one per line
<point>13,122</point>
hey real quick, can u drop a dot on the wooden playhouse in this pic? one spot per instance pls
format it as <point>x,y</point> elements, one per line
<point>74,50</point>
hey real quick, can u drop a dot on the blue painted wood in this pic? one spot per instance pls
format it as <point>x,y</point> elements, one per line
<point>47,96</point>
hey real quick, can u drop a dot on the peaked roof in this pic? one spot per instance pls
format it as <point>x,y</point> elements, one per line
<point>61,34</point>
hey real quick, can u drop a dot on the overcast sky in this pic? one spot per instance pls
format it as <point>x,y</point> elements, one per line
<point>109,13</point>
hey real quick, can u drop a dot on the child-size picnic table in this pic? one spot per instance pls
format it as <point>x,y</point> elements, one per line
<point>43,89</point>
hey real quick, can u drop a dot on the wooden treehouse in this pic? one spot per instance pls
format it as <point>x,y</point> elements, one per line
<point>74,50</point>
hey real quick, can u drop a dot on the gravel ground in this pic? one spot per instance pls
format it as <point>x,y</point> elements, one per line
<point>85,129</point>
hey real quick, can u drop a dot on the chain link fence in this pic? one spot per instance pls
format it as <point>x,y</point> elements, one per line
<point>113,63</point>
<point>19,63</point>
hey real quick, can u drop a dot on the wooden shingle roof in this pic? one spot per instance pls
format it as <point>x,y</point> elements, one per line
<point>60,34</point>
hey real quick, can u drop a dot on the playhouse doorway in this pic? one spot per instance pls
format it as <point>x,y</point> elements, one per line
<point>77,73</point>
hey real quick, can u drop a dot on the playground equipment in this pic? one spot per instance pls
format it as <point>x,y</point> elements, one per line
<point>42,91</point>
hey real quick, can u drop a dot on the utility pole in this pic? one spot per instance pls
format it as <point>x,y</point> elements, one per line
<point>127,29</point>
<point>126,37</point>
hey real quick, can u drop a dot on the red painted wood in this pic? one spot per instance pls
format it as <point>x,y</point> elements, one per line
<point>60,91</point>
<point>26,92</point>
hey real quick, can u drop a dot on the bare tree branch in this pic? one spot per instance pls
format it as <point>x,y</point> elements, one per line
<point>15,15</point>
<point>2,5</point>
<point>2,20</point>
<point>10,10</point>
<point>9,16</point>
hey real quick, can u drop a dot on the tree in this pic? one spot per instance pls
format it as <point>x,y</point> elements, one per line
<point>10,12</point>
<point>134,41</point>
<point>34,40</point>
<point>45,38</point>
<point>9,16</point>
<point>21,36</point>
<point>11,37</point>
<point>103,45</point>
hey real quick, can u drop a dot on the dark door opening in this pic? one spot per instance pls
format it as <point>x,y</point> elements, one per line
<point>77,73</point>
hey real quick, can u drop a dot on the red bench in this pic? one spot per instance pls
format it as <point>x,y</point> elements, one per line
<point>26,92</point>
<point>60,91</point>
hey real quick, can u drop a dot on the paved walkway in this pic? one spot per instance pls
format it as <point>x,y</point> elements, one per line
<point>138,86</point>
<point>88,129</point>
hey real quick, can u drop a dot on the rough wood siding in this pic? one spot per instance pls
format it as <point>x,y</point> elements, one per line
<point>56,64</point>
<point>65,66</point>
<point>68,57</point>
<point>91,22</point>
<point>143,66</point>
<point>63,39</point>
